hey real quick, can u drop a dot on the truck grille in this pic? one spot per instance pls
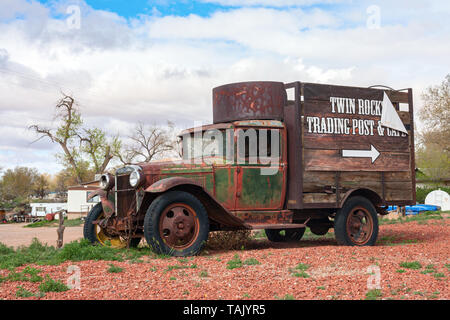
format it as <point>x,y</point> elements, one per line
<point>125,196</point>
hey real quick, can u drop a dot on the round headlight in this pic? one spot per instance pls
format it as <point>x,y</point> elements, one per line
<point>106,181</point>
<point>135,178</point>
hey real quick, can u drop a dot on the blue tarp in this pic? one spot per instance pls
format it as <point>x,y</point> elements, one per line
<point>413,210</point>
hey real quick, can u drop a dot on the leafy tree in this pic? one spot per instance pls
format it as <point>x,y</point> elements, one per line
<point>42,185</point>
<point>436,115</point>
<point>433,152</point>
<point>84,150</point>
<point>18,183</point>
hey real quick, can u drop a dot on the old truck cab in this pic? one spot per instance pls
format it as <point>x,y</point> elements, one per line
<point>329,157</point>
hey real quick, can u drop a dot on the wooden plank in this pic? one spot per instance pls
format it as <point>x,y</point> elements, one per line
<point>398,176</point>
<point>319,198</point>
<point>314,91</point>
<point>332,160</point>
<point>331,142</point>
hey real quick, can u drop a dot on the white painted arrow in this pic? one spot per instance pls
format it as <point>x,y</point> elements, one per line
<point>372,153</point>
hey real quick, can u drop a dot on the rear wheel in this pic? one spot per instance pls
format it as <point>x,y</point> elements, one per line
<point>356,223</point>
<point>177,224</point>
<point>98,235</point>
<point>285,235</point>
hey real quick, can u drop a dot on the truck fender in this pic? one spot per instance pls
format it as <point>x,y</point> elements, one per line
<point>216,211</point>
<point>108,205</point>
<point>169,183</point>
<point>368,193</point>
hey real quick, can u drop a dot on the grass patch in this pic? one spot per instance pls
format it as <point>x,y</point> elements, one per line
<point>234,263</point>
<point>300,270</point>
<point>439,275</point>
<point>55,223</point>
<point>41,254</point>
<point>393,241</point>
<point>421,218</point>
<point>175,267</point>
<point>203,274</point>
<point>286,297</point>
<point>251,262</point>
<point>400,271</point>
<point>50,285</point>
<point>301,274</point>
<point>23,293</point>
<point>374,294</point>
<point>114,269</point>
<point>429,269</point>
<point>415,265</point>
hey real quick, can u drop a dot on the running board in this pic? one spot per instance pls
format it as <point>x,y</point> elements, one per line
<point>255,226</point>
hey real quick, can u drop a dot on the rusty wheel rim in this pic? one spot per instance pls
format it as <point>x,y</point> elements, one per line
<point>179,226</point>
<point>107,240</point>
<point>359,225</point>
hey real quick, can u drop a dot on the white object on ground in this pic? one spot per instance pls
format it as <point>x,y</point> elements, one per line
<point>439,198</point>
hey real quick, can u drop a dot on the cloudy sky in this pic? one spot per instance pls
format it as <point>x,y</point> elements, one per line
<point>153,61</point>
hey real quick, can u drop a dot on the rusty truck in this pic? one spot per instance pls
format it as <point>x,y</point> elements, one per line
<point>279,157</point>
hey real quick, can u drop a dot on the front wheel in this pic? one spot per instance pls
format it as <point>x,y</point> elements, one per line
<point>97,235</point>
<point>177,224</point>
<point>356,223</point>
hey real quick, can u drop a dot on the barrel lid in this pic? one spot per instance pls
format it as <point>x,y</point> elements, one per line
<point>255,100</point>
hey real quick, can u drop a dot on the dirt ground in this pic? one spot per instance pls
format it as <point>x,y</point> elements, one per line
<point>14,234</point>
<point>331,272</point>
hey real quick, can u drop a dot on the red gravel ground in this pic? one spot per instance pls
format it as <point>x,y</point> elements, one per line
<point>335,272</point>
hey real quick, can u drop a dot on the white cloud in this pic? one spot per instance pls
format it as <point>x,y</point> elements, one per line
<point>272,3</point>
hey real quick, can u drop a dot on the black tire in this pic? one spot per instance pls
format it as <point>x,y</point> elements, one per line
<point>346,232</point>
<point>289,235</point>
<point>159,211</point>
<point>89,230</point>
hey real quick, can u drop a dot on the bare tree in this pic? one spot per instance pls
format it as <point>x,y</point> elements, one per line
<point>147,142</point>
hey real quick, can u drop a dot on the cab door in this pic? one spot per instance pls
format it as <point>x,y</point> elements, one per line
<point>260,173</point>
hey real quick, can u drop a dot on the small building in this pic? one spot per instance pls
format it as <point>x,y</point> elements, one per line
<point>40,209</point>
<point>78,204</point>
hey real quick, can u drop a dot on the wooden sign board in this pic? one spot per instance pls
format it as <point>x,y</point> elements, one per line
<point>342,130</point>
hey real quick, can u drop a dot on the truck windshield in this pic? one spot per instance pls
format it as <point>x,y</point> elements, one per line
<point>210,144</point>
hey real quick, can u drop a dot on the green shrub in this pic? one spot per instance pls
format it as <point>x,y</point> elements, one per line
<point>374,294</point>
<point>50,285</point>
<point>251,262</point>
<point>236,262</point>
<point>23,293</point>
<point>411,265</point>
<point>422,192</point>
<point>114,269</point>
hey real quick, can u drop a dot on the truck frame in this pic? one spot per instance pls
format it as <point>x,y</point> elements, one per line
<point>324,158</point>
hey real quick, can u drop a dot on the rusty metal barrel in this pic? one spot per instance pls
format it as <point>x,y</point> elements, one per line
<point>257,100</point>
